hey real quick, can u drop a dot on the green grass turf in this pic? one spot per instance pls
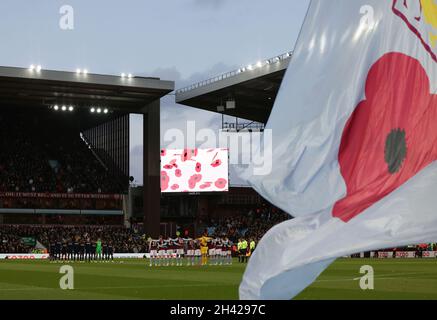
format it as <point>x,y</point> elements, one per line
<point>133,279</point>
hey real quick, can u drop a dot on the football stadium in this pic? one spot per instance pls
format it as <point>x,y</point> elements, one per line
<point>341,207</point>
<point>56,213</point>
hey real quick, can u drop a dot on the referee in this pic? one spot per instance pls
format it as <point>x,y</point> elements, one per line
<point>244,250</point>
<point>240,256</point>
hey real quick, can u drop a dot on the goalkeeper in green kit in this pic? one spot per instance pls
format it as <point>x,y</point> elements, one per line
<point>99,249</point>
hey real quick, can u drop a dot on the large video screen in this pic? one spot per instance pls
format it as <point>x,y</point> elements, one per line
<point>194,170</point>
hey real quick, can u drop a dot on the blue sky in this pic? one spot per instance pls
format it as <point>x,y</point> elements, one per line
<point>181,40</point>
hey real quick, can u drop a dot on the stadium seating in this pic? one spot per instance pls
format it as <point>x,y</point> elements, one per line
<point>252,224</point>
<point>124,239</point>
<point>37,158</point>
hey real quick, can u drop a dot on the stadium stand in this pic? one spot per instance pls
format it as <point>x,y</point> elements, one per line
<point>125,240</point>
<point>253,224</point>
<point>37,158</point>
<point>10,241</point>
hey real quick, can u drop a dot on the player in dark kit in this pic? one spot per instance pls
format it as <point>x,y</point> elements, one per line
<point>64,251</point>
<point>82,250</point>
<point>76,250</point>
<point>88,250</point>
<point>111,251</point>
<point>93,251</point>
<point>70,250</point>
<point>58,249</point>
<point>105,251</point>
<point>52,251</point>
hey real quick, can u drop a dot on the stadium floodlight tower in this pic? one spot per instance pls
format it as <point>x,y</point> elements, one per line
<point>97,107</point>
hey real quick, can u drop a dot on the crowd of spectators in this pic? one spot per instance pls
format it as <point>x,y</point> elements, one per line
<point>11,242</point>
<point>48,156</point>
<point>257,221</point>
<point>60,203</point>
<point>252,224</point>
<point>131,240</point>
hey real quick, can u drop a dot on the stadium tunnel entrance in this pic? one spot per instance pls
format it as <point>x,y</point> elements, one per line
<point>65,142</point>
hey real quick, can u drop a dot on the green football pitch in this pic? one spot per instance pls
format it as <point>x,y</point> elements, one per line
<point>133,279</point>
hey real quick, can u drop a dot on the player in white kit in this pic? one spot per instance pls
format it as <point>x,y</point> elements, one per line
<point>153,250</point>
<point>227,248</point>
<point>179,244</point>
<point>197,253</point>
<point>162,252</point>
<point>190,252</point>
<point>218,251</point>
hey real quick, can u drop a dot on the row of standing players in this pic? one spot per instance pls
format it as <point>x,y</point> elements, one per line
<point>81,250</point>
<point>166,252</point>
<point>163,252</point>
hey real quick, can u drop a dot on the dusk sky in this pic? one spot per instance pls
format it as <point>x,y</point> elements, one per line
<point>181,40</point>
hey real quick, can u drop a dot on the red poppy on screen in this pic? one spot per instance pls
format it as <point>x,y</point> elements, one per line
<point>205,185</point>
<point>194,179</point>
<point>178,173</point>
<point>221,183</point>
<point>165,180</point>
<point>198,167</point>
<point>216,163</point>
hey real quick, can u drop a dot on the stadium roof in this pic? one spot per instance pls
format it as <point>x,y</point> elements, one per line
<point>34,87</point>
<point>253,88</point>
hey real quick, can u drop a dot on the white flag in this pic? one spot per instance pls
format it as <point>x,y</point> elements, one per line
<point>354,142</point>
